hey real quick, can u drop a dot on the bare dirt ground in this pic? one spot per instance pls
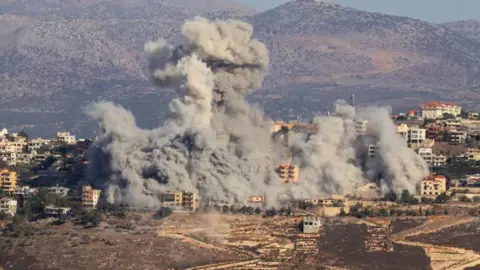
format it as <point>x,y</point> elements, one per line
<point>227,241</point>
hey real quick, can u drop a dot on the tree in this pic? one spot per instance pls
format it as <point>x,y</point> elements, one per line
<point>405,197</point>
<point>464,199</point>
<point>342,213</point>
<point>391,196</point>
<point>476,199</point>
<point>427,213</point>
<point>3,194</point>
<point>271,212</point>
<point>225,209</point>
<point>442,198</point>
<point>250,210</point>
<point>445,211</point>
<point>383,212</point>
<point>427,200</point>
<point>3,215</point>
<point>258,211</point>
<point>163,212</point>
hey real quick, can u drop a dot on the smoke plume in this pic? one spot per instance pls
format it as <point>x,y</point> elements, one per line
<point>218,146</point>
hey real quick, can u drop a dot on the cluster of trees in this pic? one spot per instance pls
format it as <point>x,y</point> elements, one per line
<point>163,212</point>
<point>361,212</point>
<point>284,211</point>
<point>408,198</point>
<point>464,198</point>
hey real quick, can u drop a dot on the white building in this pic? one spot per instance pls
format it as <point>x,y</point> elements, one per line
<point>426,154</point>
<point>8,205</point>
<point>361,127</point>
<point>457,136</point>
<point>311,224</point>
<point>66,137</point>
<point>416,137</point>
<point>25,191</point>
<point>35,144</point>
<point>3,132</point>
<point>402,130</point>
<point>439,160</point>
<point>436,109</point>
<point>60,191</point>
<point>55,211</point>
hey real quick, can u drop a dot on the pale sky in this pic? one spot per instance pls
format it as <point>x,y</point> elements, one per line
<point>436,11</point>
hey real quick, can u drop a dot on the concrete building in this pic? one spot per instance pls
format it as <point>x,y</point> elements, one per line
<point>256,201</point>
<point>472,115</point>
<point>8,205</point>
<point>331,206</point>
<point>457,136</point>
<point>90,196</point>
<point>428,143</point>
<point>372,148</point>
<point>402,130</point>
<point>288,173</point>
<point>472,180</point>
<point>368,191</point>
<point>25,191</point>
<point>60,191</point>
<point>416,137</point>
<point>56,211</point>
<point>473,154</point>
<point>426,154</point>
<point>439,160</point>
<point>311,224</point>
<point>179,200</point>
<point>35,144</point>
<point>8,180</point>
<point>361,127</point>
<point>433,185</point>
<point>436,109</point>
<point>66,137</point>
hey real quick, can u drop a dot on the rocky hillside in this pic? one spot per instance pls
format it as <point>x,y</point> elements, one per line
<point>323,46</point>
<point>469,28</point>
<point>56,56</point>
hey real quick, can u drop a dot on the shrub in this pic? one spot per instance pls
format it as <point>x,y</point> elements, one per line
<point>476,199</point>
<point>163,212</point>
<point>442,198</point>
<point>464,199</point>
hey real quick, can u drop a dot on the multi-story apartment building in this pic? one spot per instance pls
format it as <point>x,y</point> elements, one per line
<point>439,160</point>
<point>433,185</point>
<point>66,137</point>
<point>35,144</point>
<point>179,200</point>
<point>436,109</point>
<point>8,180</point>
<point>361,127</point>
<point>473,154</point>
<point>90,196</point>
<point>372,149</point>
<point>457,136</point>
<point>416,137</point>
<point>8,205</point>
<point>426,154</point>
<point>288,173</point>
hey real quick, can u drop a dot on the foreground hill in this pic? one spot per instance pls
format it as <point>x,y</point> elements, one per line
<point>57,56</point>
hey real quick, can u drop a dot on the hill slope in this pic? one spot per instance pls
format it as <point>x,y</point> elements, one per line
<point>469,28</point>
<point>56,56</point>
<point>323,46</point>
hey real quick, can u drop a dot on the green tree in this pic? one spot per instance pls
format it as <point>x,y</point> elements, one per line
<point>464,199</point>
<point>225,209</point>
<point>476,199</point>
<point>271,212</point>
<point>342,213</point>
<point>405,197</point>
<point>445,211</point>
<point>258,211</point>
<point>383,212</point>
<point>3,215</point>
<point>442,198</point>
<point>163,212</point>
<point>391,196</point>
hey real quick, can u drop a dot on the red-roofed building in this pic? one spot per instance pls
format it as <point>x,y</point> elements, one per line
<point>412,113</point>
<point>436,109</point>
<point>433,185</point>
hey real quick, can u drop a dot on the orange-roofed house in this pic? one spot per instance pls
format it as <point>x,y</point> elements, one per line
<point>433,185</point>
<point>436,109</point>
<point>412,113</point>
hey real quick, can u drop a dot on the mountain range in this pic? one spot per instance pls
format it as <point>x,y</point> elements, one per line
<point>58,56</point>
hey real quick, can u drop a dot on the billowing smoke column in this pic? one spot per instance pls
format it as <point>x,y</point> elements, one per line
<point>216,145</point>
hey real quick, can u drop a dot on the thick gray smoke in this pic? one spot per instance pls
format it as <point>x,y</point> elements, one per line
<point>216,145</point>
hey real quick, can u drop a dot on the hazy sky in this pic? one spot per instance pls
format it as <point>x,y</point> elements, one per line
<point>429,10</point>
